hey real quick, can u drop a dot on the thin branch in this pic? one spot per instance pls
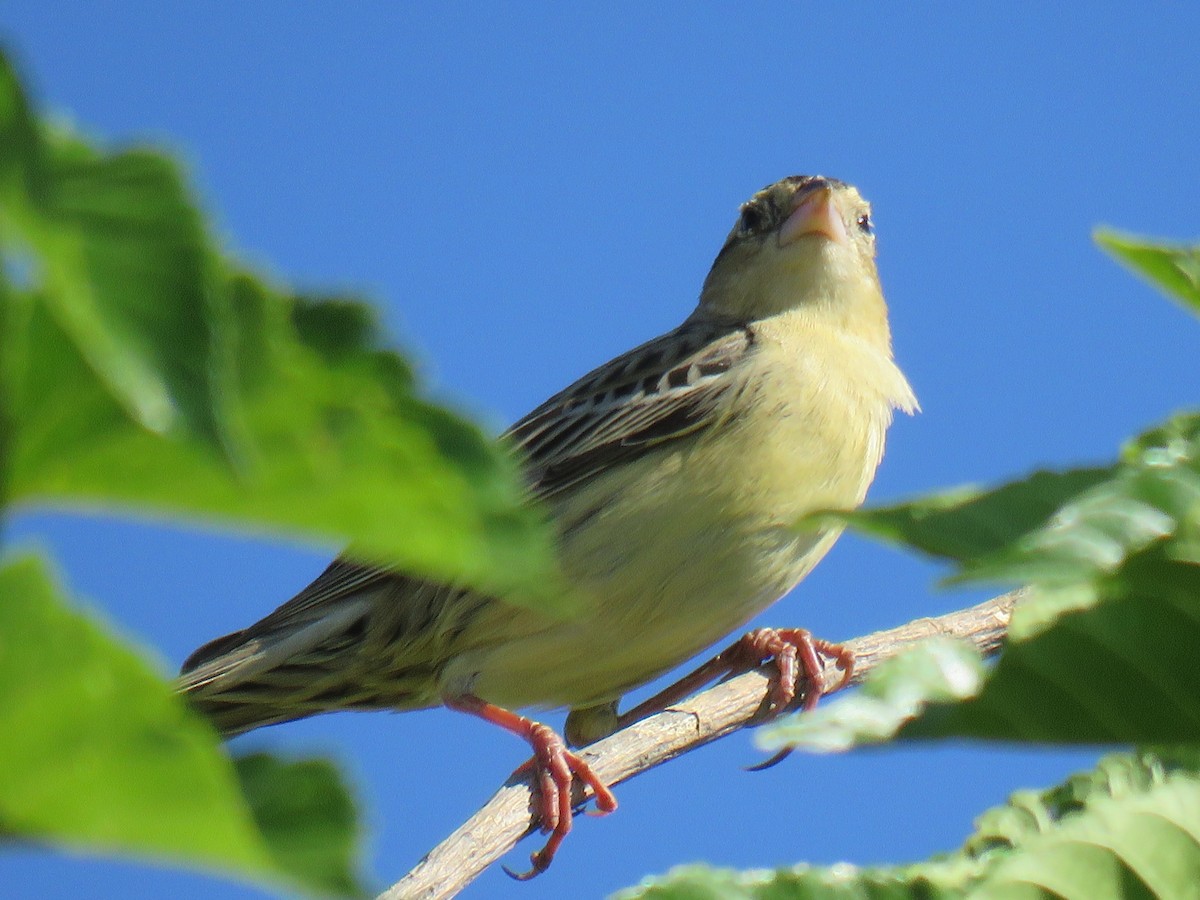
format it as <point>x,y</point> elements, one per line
<point>721,710</point>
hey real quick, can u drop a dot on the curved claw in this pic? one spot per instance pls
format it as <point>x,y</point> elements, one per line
<point>795,655</point>
<point>538,867</point>
<point>553,769</point>
<point>770,763</point>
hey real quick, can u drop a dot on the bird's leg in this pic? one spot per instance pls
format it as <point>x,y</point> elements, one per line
<point>553,767</point>
<point>588,724</point>
<point>795,652</point>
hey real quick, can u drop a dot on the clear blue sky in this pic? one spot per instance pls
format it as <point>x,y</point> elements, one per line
<point>530,191</point>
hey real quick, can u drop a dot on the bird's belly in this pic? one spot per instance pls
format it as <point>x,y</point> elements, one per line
<point>671,560</point>
<point>635,627</point>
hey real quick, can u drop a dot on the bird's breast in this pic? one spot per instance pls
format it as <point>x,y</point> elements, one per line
<point>685,544</point>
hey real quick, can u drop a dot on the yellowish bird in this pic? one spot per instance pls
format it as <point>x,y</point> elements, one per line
<point>675,475</point>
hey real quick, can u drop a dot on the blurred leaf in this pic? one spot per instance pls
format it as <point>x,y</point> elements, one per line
<point>139,371</point>
<point>1100,652</point>
<point>923,881</point>
<point>1060,527</point>
<point>332,443</point>
<point>968,524</point>
<point>1121,671</point>
<point>1174,269</point>
<point>20,165</point>
<point>1095,533</point>
<point>100,754</point>
<point>307,819</point>
<point>1029,813</point>
<point>939,669</point>
<point>1131,827</point>
<point>1172,451</point>
<point>122,261</point>
<point>1135,834</point>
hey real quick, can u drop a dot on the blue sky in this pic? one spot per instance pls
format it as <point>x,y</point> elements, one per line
<point>528,191</point>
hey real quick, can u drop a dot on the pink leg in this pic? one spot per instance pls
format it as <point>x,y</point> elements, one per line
<point>553,766</point>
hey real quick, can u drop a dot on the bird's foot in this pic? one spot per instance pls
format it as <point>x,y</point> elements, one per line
<point>553,768</point>
<point>797,656</point>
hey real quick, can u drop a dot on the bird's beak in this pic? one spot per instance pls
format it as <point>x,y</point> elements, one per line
<point>816,213</point>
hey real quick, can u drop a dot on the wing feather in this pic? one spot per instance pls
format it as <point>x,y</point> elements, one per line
<point>663,390</point>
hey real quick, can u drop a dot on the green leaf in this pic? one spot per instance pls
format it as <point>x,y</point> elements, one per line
<point>122,260</point>
<point>1119,672</point>
<point>1079,668</point>
<point>936,670</point>
<point>968,524</point>
<point>20,165</point>
<point>140,371</point>
<point>1100,652</point>
<point>1130,827</point>
<point>1061,528</point>
<point>1173,268</point>
<point>924,881</point>
<point>1132,832</point>
<point>100,754</point>
<point>307,818</point>
<point>333,444</point>
<point>1092,535</point>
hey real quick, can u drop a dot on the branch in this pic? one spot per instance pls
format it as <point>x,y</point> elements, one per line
<point>721,710</point>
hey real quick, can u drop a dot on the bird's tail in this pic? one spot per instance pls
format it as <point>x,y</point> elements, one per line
<point>264,676</point>
<point>209,680</point>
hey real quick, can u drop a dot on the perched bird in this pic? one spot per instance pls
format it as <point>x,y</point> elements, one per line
<point>674,474</point>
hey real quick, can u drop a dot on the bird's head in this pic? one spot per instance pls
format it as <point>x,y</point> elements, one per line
<point>804,241</point>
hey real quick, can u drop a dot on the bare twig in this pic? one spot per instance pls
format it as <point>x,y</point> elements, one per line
<point>721,710</point>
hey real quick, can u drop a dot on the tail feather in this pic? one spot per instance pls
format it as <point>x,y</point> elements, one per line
<point>213,649</point>
<point>232,718</point>
<point>257,677</point>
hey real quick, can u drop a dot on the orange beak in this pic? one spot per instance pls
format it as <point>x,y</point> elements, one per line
<point>816,213</point>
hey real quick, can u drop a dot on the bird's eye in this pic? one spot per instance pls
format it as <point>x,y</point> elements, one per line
<point>752,219</point>
<point>865,225</point>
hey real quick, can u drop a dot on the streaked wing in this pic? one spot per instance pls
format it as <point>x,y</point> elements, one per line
<point>664,389</point>
<point>342,581</point>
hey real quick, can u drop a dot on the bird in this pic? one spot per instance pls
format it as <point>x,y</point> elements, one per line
<point>675,476</point>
